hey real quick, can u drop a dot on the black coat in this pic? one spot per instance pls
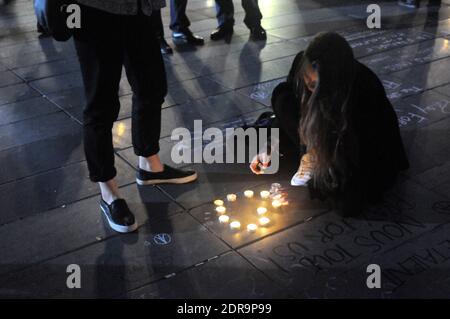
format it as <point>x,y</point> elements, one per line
<point>372,151</point>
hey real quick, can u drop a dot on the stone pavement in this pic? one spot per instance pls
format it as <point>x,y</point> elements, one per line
<point>49,213</point>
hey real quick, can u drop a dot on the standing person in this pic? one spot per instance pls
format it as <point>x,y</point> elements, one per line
<point>225,18</point>
<point>116,33</point>
<point>179,25</point>
<point>335,111</point>
<point>158,28</point>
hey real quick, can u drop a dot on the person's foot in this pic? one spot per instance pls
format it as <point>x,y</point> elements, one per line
<point>222,32</point>
<point>169,175</point>
<point>305,171</point>
<point>187,36</point>
<point>165,47</point>
<point>119,216</point>
<point>258,33</point>
<point>40,29</point>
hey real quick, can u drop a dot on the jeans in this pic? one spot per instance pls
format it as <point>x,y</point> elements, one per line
<point>225,13</point>
<point>104,44</point>
<point>178,18</point>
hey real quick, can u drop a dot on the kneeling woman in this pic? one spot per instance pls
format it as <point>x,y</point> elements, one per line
<point>334,110</point>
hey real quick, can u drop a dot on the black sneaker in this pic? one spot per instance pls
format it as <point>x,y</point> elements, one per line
<point>119,216</point>
<point>165,47</point>
<point>258,33</point>
<point>169,175</point>
<point>222,32</point>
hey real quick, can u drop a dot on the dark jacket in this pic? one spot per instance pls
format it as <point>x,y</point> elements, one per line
<point>371,151</point>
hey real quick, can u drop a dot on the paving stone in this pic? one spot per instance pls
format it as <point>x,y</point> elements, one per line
<point>73,226</point>
<point>236,277</point>
<point>310,258</point>
<point>52,189</point>
<point>114,266</point>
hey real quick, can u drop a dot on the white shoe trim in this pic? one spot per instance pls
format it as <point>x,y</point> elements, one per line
<point>182,180</point>
<point>120,228</point>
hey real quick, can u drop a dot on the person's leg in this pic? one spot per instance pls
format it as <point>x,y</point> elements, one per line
<point>100,56</point>
<point>146,73</point>
<point>180,23</point>
<point>157,24</point>
<point>178,18</point>
<point>253,15</point>
<point>158,28</point>
<point>225,13</point>
<point>252,20</point>
<point>99,48</point>
<point>225,19</point>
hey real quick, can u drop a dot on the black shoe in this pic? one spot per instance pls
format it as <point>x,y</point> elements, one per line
<point>188,37</point>
<point>41,30</point>
<point>169,175</point>
<point>258,33</point>
<point>165,47</point>
<point>119,216</point>
<point>222,32</point>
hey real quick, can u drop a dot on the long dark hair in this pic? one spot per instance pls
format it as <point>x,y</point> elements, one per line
<point>324,112</point>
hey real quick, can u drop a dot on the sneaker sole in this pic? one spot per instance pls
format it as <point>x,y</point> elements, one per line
<point>183,180</point>
<point>119,228</point>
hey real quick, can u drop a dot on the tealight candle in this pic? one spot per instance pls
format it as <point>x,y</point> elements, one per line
<point>263,221</point>
<point>231,197</point>
<point>265,194</point>
<point>224,219</point>
<point>276,203</point>
<point>248,194</point>
<point>252,227</point>
<point>221,209</point>
<point>235,225</point>
<point>277,196</point>
<point>218,202</point>
<point>261,210</point>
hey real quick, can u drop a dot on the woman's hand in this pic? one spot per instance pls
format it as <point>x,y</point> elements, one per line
<point>259,163</point>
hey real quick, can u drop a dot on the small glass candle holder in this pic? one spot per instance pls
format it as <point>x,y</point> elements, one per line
<point>221,209</point>
<point>261,210</point>
<point>251,228</point>
<point>275,188</point>
<point>249,194</point>
<point>264,221</point>
<point>235,225</point>
<point>265,194</point>
<point>218,202</point>
<point>224,219</point>
<point>231,197</point>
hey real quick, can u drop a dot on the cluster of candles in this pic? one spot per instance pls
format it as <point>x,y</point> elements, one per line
<point>278,199</point>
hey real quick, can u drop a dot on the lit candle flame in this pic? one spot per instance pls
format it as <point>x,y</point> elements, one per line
<point>248,193</point>
<point>263,221</point>
<point>261,210</point>
<point>221,209</point>
<point>276,203</point>
<point>235,225</point>
<point>218,202</point>
<point>224,219</point>
<point>265,194</point>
